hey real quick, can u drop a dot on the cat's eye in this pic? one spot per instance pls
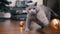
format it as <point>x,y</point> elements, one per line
<point>29,9</point>
<point>33,8</point>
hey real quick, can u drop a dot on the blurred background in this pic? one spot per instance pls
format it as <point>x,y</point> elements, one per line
<point>14,11</point>
<point>13,8</point>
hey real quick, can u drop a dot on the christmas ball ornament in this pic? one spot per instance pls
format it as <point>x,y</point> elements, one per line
<point>55,23</point>
<point>21,23</point>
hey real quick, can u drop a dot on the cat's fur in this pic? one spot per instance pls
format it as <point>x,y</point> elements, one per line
<point>40,14</point>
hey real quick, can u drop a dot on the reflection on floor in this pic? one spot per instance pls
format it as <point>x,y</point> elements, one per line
<point>13,27</point>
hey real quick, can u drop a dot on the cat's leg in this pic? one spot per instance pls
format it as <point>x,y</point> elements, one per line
<point>28,22</point>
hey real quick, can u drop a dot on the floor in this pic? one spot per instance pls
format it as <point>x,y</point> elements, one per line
<point>13,27</point>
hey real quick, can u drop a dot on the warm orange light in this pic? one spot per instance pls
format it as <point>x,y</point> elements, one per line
<point>21,23</point>
<point>21,26</point>
<point>21,29</point>
<point>55,23</point>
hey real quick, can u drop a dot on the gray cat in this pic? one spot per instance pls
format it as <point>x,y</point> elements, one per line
<point>40,14</point>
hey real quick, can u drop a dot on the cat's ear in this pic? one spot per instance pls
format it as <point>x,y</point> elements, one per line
<point>35,4</point>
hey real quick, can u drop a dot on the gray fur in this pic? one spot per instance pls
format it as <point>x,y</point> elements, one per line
<point>41,14</point>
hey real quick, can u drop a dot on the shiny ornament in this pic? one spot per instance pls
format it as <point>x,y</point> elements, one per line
<point>55,23</point>
<point>22,26</point>
<point>21,23</point>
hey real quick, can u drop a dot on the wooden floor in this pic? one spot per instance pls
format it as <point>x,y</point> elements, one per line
<point>12,27</point>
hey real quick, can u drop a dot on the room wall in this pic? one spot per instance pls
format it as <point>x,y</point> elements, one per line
<point>38,1</point>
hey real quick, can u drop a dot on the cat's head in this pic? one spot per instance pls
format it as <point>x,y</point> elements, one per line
<point>32,8</point>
